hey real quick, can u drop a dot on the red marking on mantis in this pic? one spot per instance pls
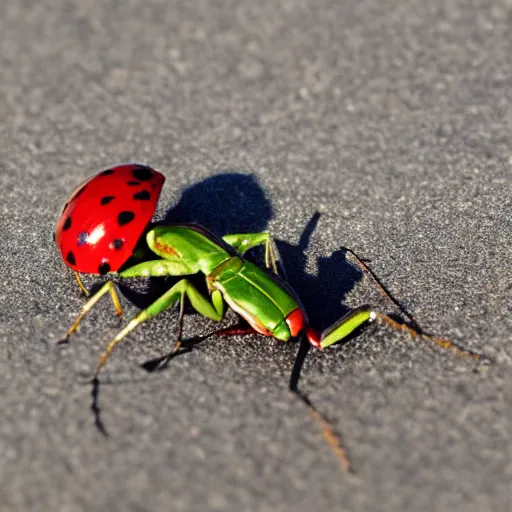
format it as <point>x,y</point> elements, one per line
<point>295,321</point>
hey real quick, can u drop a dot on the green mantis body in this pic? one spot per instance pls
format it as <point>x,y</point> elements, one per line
<point>260,296</point>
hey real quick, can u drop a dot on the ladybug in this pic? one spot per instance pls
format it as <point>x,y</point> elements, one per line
<point>104,218</point>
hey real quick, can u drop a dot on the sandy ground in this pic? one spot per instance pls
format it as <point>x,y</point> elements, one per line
<point>383,126</point>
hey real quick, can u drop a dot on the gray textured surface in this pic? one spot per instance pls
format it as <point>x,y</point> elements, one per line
<point>394,120</point>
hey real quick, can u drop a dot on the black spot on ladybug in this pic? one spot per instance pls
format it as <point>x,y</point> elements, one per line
<point>143,173</point>
<point>104,268</point>
<point>107,172</point>
<point>142,196</point>
<point>70,258</point>
<point>133,183</point>
<point>106,199</point>
<point>67,224</point>
<point>125,217</point>
<point>117,244</point>
<point>81,238</point>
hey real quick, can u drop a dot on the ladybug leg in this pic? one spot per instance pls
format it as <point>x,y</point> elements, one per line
<point>109,286</point>
<point>182,289</point>
<point>81,285</point>
<point>115,299</point>
<point>113,294</point>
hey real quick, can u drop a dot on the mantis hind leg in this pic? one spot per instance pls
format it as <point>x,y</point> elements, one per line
<point>81,284</point>
<point>182,289</point>
<point>356,318</point>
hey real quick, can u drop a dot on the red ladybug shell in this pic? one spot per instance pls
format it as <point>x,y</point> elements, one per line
<point>105,217</point>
